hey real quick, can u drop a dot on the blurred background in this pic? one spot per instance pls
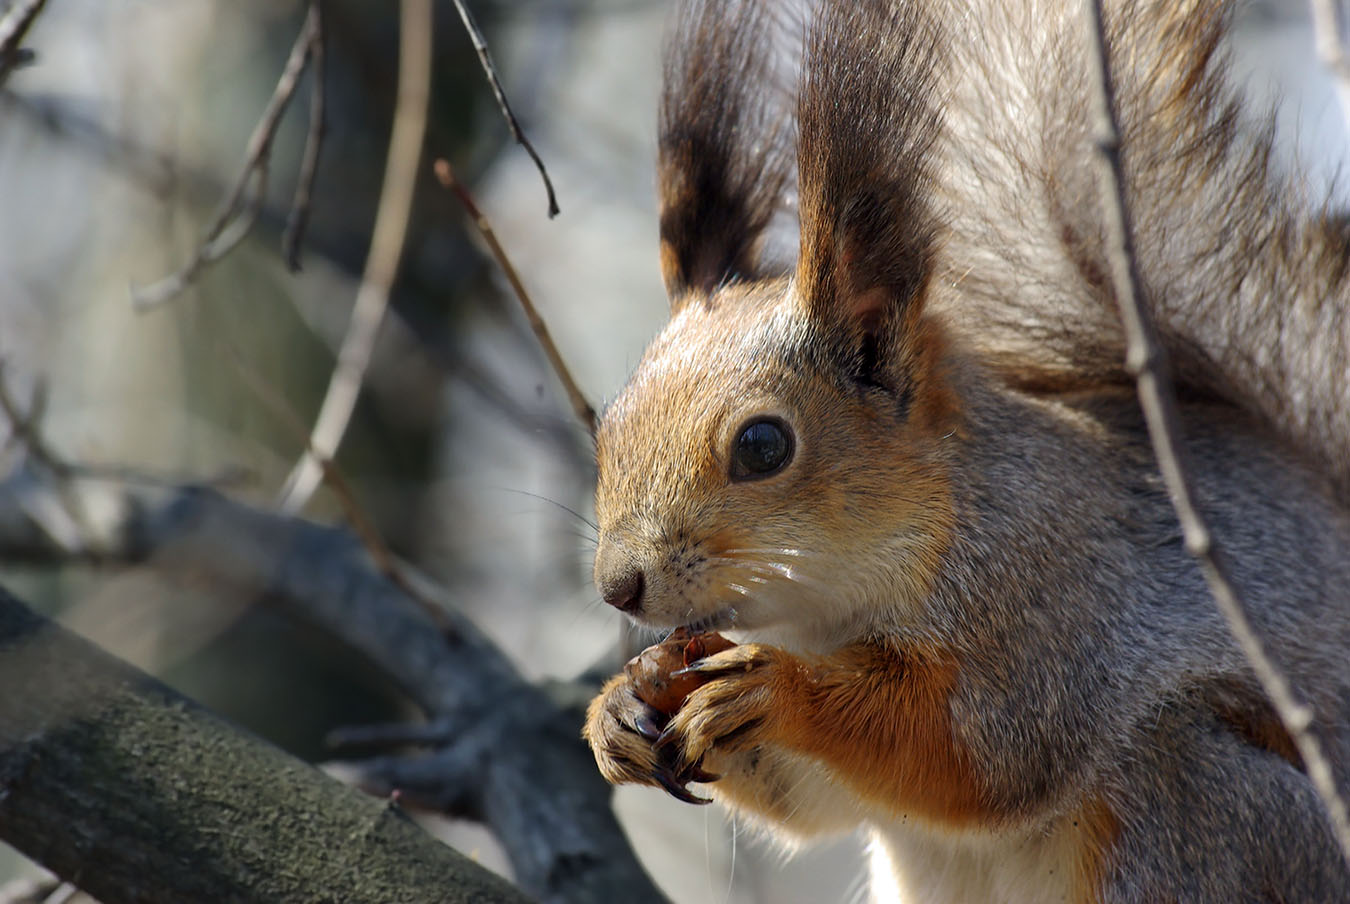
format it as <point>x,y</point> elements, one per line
<point>116,147</point>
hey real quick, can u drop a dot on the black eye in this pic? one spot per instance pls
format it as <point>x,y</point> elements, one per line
<point>763,447</point>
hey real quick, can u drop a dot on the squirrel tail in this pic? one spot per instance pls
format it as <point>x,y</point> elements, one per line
<point>1244,272</point>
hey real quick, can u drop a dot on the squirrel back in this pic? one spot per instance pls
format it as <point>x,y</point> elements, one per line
<point>909,475</point>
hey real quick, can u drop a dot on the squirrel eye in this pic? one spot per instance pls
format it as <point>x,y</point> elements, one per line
<point>763,447</point>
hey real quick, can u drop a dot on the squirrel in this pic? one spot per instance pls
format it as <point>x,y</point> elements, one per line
<point>909,476</point>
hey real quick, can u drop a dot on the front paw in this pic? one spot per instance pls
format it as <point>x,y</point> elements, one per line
<point>743,705</point>
<point>622,731</point>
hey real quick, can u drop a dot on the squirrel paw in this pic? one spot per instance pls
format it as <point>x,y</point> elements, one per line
<point>736,709</point>
<point>622,731</point>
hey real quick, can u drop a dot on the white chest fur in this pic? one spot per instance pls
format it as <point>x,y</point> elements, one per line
<point>913,864</point>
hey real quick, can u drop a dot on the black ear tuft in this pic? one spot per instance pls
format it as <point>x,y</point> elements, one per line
<point>867,120</point>
<point>722,165</point>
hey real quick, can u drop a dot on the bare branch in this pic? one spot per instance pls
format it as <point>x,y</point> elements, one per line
<point>583,410</point>
<point>298,219</point>
<point>114,781</point>
<point>26,428</point>
<point>386,249</point>
<point>480,46</point>
<point>14,26</point>
<point>362,524</point>
<point>538,791</point>
<point>1328,32</point>
<point>30,891</point>
<point>62,894</point>
<point>242,206</point>
<point>1147,362</point>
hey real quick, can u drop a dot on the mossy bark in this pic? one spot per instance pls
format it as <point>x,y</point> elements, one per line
<point>135,794</point>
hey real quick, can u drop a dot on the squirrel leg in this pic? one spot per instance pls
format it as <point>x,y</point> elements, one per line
<point>787,791</point>
<point>878,716</point>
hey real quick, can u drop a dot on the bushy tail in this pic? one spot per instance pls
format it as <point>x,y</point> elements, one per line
<point>1244,272</point>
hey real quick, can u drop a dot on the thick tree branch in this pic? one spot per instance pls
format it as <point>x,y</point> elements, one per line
<point>135,794</point>
<point>516,760</point>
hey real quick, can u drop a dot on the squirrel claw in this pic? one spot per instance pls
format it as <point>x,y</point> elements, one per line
<point>697,668</point>
<point>665,738</point>
<point>696,773</point>
<point>676,790</point>
<point>647,726</point>
<point>741,658</point>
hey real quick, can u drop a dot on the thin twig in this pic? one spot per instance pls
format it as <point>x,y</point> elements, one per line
<point>26,428</point>
<point>480,46</point>
<point>67,522</point>
<point>146,167</point>
<point>386,248</point>
<point>362,524</point>
<point>583,410</point>
<point>61,894</point>
<point>1331,48</point>
<point>30,891</point>
<point>14,25</point>
<point>241,207</point>
<point>1146,361</point>
<point>298,219</point>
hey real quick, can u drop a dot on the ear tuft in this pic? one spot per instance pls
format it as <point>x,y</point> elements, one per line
<point>868,119</point>
<point>723,163</point>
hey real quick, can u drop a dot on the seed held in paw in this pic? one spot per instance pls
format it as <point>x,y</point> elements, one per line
<point>650,671</point>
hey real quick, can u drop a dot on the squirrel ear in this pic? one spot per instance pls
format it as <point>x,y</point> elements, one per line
<point>722,165</point>
<point>867,122</point>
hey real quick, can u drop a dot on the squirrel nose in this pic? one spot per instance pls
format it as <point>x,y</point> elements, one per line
<point>623,591</point>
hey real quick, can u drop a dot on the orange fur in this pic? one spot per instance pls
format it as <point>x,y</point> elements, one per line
<point>879,718</point>
<point>970,627</point>
<point>670,264</point>
<point>936,406</point>
<point>1097,827</point>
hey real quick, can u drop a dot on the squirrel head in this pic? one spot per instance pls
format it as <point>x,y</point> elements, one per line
<point>755,471</point>
<point>778,456</point>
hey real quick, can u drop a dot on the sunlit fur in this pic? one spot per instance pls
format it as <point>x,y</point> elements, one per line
<point>704,541</point>
<point>967,621</point>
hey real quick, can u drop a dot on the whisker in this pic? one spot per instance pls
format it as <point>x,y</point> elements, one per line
<point>788,551</point>
<point>731,867</point>
<point>774,570</point>
<point>571,511</point>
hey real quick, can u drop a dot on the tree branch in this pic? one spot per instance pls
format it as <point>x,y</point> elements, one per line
<point>480,47</point>
<point>14,25</point>
<point>135,794</point>
<point>1147,362</point>
<point>516,760</point>
<point>298,218</point>
<point>240,210</point>
<point>580,407</point>
<point>386,249</point>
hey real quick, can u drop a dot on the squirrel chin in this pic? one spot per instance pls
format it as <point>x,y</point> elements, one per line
<point>721,620</point>
<point>730,623</point>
